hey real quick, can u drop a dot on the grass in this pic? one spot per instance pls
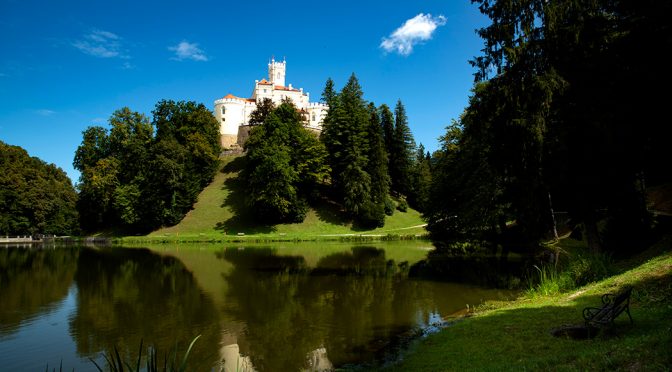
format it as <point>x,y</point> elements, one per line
<point>220,215</point>
<point>516,336</point>
<point>115,363</point>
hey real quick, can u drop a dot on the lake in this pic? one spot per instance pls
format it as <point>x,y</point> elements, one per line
<point>280,307</point>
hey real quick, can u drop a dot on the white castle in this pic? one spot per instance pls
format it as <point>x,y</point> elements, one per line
<point>234,112</point>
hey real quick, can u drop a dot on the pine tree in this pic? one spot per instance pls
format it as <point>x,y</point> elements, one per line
<point>402,152</point>
<point>377,170</point>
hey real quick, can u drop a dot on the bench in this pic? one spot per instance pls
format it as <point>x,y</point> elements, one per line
<point>612,306</point>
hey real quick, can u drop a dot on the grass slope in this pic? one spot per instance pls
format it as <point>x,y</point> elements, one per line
<point>220,214</point>
<point>516,336</point>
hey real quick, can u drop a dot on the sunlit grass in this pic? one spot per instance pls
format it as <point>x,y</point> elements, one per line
<point>214,219</point>
<point>517,335</point>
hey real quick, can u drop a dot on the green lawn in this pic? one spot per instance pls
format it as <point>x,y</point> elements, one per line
<point>220,214</point>
<point>517,336</point>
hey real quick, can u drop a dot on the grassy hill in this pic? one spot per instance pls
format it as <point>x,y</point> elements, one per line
<point>220,214</point>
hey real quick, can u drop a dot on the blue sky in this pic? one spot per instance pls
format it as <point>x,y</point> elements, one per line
<point>67,65</point>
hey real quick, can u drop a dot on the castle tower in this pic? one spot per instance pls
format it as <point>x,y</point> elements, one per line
<point>276,72</point>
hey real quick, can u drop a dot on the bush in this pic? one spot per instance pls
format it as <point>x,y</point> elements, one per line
<point>402,206</point>
<point>578,271</point>
<point>389,206</point>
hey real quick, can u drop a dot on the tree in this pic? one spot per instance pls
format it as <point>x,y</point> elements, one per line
<point>402,153</point>
<point>345,137</point>
<point>552,113</point>
<point>329,92</point>
<point>135,180</point>
<point>374,214</point>
<point>421,178</point>
<point>285,162</point>
<point>259,115</point>
<point>35,197</point>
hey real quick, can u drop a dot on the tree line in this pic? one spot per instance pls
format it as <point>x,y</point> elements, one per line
<point>564,115</point>
<point>364,157</point>
<point>35,197</point>
<point>140,175</point>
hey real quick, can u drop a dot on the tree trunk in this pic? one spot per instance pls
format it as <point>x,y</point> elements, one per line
<point>592,234</point>
<point>555,226</point>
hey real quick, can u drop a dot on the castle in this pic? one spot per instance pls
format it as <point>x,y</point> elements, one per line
<point>233,112</point>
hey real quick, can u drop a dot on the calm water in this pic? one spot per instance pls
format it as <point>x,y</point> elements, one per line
<point>266,308</point>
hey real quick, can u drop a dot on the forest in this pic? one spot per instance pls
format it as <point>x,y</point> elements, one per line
<point>35,197</point>
<point>564,116</point>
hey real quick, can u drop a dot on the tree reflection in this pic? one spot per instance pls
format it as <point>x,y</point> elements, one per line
<point>129,295</point>
<point>350,305</point>
<point>31,280</point>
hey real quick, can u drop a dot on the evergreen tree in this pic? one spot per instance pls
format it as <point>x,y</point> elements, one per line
<point>421,179</point>
<point>345,137</point>
<point>377,170</point>
<point>402,153</point>
<point>387,123</point>
<point>329,92</point>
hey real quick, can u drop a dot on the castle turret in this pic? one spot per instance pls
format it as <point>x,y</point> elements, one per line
<point>276,72</point>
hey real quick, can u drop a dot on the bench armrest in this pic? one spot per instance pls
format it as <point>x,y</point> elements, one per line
<point>589,312</point>
<point>608,298</point>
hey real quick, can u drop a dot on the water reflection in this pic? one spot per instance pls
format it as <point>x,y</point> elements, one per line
<point>32,281</point>
<point>129,295</point>
<point>347,309</point>
<point>268,308</point>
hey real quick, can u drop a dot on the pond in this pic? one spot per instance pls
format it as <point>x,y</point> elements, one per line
<point>281,307</point>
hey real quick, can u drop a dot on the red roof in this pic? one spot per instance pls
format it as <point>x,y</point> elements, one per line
<point>265,82</point>
<point>280,87</point>
<point>231,96</point>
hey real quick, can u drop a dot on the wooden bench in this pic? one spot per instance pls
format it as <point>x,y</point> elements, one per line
<point>612,306</point>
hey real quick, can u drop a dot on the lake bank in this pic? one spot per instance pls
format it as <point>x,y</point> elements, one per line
<point>518,334</point>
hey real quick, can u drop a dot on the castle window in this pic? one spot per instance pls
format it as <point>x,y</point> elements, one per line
<point>223,110</point>
<point>264,90</point>
<point>278,75</point>
<point>313,117</point>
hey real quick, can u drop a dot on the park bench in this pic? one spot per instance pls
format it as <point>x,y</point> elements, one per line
<point>612,306</point>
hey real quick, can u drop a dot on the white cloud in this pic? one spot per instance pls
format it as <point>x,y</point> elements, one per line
<point>413,31</point>
<point>45,112</point>
<point>186,50</point>
<point>102,44</point>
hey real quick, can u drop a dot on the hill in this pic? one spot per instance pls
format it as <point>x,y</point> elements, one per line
<point>220,214</point>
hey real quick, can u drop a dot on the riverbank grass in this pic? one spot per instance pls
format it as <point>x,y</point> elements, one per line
<point>517,335</point>
<point>220,215</point>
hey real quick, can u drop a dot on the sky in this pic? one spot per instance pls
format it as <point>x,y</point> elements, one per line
<point>67,65</point>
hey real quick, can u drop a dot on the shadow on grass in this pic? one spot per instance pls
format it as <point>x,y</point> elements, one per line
<point>521,338</point>
<point>235,165</point>
<point>331,212</point>
<point>242,220</point>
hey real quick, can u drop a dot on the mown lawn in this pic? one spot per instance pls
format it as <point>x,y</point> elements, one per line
<point>517,336</point>
<point>220,214</point>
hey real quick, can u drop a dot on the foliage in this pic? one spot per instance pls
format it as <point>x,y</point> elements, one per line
<point>421,178</point>
<point>142,175</point>
<point>553,113</point>
<point>285,162</point>
<point>116,364</point>
<point>401,153</point>
<point>35,197</point>
<point>577,270</point>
